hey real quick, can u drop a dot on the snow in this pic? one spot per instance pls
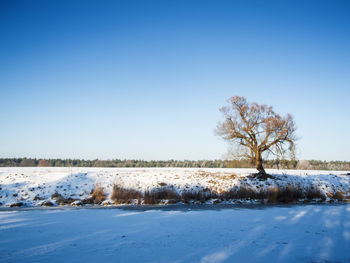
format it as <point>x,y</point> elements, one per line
<point>28,185</point>
<point>296,233</point>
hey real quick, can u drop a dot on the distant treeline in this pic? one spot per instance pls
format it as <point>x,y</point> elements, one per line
<point>278,164</point>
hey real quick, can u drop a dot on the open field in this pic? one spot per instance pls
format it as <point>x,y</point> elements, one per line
<point>106,186</point>
<point>296,233</point>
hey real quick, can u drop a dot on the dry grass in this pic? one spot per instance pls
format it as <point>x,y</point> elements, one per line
<point>60,200</point>
<point>122,195</point>
<point>188,196</point>
<point>165,193</point>
<point>155,196</point>
<point>339,195</point>
<point>231,176</point>
<point>98,195</point>
<point>199,195</point>
<point>242,192</point>
<point>88,201</point>
<point>291,193</point>
<point>282,194</point>
<point>47,203</point>
<point>38,198</point>
<point>65,201</point>
<point>272,194</point>
<point>16,204</point>
<point>314,193</point>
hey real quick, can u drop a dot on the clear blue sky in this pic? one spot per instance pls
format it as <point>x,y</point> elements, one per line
<point>145,79</point>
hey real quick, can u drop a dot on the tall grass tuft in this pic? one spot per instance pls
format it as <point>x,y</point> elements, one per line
<point>98,195</point>
<point>155,196</point>
<point>122,195</point>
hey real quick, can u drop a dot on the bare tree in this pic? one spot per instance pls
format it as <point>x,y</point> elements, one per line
<point>257,131</point>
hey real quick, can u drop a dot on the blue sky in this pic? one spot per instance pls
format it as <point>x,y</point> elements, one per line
<point>146,79</point>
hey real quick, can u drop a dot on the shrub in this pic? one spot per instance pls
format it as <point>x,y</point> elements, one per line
<point>122,195</point>
<point>243,192</point>
<point>64,201</point>
<point>88,201</point>
<point>150,198</point>
<point>37,198</point>
<point>98,195</point>
<point>60,200</point>
<point>339,195</point>
<point>199,195</point>
<point>55,196</point>
<point>314,193</point>
<point>47,203</point>
<point>156,195</point>
<point>272,194</point>
<point>16,204</point>
<point>289,194</point>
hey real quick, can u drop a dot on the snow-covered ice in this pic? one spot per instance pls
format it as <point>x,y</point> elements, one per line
<point>32,186</point>
<point>297,233</point>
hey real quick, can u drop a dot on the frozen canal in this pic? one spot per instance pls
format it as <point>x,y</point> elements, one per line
<point>299,233</point>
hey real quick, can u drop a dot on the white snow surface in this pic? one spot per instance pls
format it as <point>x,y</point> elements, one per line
<point>296,233</point>
<point>24,184</point>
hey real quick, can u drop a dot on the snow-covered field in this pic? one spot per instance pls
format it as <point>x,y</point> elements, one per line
<point>180,233</point>
<point>297,233</point>
<point>33,186</point>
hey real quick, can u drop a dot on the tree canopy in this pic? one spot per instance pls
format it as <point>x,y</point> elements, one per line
<point>257,130</point>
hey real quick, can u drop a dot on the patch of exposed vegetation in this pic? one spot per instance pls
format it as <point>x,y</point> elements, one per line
<point>98,195</point>
<point>121,195</point>
<point>61,200</point>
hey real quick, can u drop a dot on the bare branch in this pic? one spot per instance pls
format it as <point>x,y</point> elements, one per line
<point>257,128</point>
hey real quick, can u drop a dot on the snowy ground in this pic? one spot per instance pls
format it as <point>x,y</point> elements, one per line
<point>33,186</point>
<point>298,233</point>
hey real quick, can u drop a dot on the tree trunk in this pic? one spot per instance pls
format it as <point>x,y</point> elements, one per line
<point>258,164</point>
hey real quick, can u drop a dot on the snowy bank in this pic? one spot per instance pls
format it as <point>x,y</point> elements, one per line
<point>51,185</point>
